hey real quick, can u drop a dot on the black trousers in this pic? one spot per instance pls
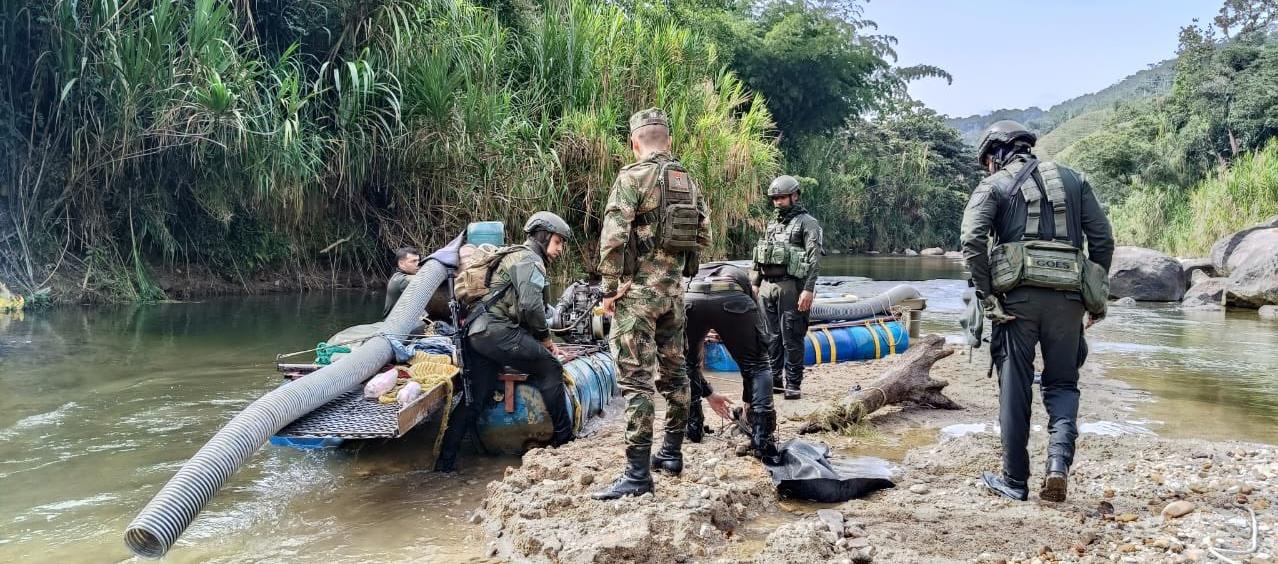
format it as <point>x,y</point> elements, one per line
<point>735,317</point>
<point>787,326</point>
<point>1054,321</point>
<point>486,353</point>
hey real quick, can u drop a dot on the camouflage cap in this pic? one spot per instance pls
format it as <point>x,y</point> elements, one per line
<point>650,116</point>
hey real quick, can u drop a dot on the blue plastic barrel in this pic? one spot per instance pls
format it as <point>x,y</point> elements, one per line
<point>595,383</point>
<point>486,232</point>
<point>839,344</point>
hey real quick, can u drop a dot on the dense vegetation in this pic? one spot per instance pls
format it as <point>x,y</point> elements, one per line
<point>879,170</point>
<point>254,135</point>
<point>1181,170</point>
<point>232,139</point>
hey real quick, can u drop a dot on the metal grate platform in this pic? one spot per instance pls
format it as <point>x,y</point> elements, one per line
<point>350,416</point>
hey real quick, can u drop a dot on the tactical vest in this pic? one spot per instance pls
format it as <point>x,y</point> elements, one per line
<point>1045,256</point>
<point>781,252</point>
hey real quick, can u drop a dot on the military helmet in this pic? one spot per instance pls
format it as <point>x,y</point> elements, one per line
<point>548,221</point>
<point>1002,132</point>
<point>783,185</point>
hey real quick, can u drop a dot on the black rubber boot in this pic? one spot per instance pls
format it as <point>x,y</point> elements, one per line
<point>1006,487</point>
<point>696,427</point>
<point>670,458</point>
<point>1056,481</point>
<point>562,438</point>
<point>762,442</point>
<point>446,463</point>
<point>777,384</point>
<point>792,388</point>
<point>636,480</point>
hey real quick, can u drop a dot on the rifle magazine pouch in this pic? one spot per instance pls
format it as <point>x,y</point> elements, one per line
<point>1007,263</point>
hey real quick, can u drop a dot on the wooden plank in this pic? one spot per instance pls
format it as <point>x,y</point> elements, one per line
<point>424,407</point>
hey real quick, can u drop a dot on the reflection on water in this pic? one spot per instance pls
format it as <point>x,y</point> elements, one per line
<point>1213,374</point>
<point>99,407</point>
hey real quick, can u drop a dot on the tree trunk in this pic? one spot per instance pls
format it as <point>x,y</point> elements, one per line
<point>908,380</point>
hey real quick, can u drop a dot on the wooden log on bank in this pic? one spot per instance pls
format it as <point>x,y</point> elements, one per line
<point>908,380</point>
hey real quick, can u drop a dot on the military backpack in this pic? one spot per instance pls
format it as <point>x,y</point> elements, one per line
<point>676,220</point>
<point>475,274</point>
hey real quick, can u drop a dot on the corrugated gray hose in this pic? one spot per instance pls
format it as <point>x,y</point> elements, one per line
<point>169,513</point>
<point>869,307</point>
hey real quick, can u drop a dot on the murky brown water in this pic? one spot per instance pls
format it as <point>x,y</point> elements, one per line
<point>98,408</point>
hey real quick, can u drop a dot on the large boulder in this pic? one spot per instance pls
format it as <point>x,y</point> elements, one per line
<point>1206,294</point>
<point>1224,250</point>
<point>954,254</point>
<point>932,252</point>
<point>1146,275</point>
<point>911,253</point>
<point>1250,259</point>
<point>1254,283</point>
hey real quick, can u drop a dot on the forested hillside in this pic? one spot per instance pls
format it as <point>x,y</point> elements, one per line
<point>1147,83</point>
<point>1181,170</point>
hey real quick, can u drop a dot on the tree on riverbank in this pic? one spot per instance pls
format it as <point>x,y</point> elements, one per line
<point>882,172</point>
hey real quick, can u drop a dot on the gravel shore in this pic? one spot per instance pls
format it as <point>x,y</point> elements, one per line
<point>1134,496</point>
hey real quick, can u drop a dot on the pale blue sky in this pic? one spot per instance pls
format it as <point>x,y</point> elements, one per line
<point>1071,47</point>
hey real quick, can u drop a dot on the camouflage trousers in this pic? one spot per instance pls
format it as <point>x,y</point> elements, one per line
<point>647,342</point>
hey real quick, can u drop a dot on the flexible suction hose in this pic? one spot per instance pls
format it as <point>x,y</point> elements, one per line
<point>869,307</point>
<point>171,511</point>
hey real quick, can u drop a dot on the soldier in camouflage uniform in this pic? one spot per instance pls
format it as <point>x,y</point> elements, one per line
<point>787,262</point>
<point>654,207</point>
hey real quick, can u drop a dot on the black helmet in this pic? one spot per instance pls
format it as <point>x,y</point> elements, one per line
<point>550,222</point>
<point>783,185</point>
<point>1000,133</point>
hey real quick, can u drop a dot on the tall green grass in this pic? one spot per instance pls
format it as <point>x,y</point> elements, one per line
<point>1187,224</point>
<point>201,132</point>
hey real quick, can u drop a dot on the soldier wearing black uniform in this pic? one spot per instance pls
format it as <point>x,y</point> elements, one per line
<point>721,298</point>
<point>1035,283</point>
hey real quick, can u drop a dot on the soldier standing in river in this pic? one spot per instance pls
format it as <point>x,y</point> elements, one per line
<point>654,226</point>
<point>1035,282</point>
<point>786,264</point>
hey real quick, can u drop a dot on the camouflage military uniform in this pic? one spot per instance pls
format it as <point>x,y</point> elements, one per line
<point>648,328</point>
<point>510,333</point>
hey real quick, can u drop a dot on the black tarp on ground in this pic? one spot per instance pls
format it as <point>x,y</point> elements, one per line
<point>808,472</point>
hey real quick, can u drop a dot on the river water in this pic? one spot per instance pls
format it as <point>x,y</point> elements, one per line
<point>100,406</point>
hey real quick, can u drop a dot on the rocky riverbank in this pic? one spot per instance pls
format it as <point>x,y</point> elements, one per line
<point>1134,497</point>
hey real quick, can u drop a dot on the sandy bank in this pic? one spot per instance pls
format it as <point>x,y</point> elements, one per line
<point>724,508</point>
